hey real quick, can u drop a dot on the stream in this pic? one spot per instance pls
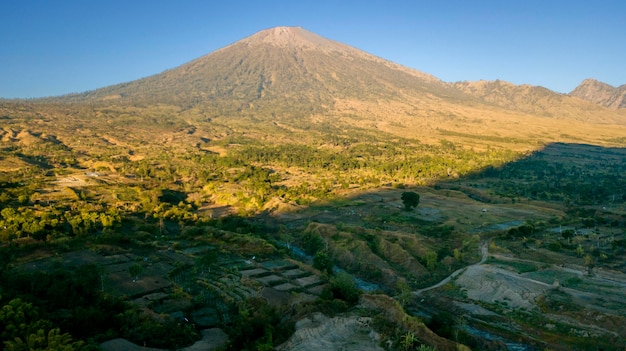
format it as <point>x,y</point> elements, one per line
<point>510,345</point>
<point>370,287</point>
<point>301,255</point>
<point>497,227</point>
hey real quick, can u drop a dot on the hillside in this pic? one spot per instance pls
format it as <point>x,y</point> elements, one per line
<point>291,81</point>
<point>601,93</point>
<point>284,63</point>
<point>538,101</point>
<point>258,193</point>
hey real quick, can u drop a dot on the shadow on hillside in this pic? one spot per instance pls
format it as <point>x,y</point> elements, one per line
<point>370,229</point>
<point>368,233</point>
<point>372,236</point>
<point>574,174</point>
<point>570,175</point>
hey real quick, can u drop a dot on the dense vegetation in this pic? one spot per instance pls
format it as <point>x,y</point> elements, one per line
<point>154,209</point>
<point>210,182</point>
<point>84,184</point>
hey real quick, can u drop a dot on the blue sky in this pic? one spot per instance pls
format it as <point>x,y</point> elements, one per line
<point>52,48</point>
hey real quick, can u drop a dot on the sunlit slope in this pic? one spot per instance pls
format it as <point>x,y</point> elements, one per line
<point>601,93</point>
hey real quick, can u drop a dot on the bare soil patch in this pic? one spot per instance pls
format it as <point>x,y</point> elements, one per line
<point>495,285</point>
<point>320,333</point>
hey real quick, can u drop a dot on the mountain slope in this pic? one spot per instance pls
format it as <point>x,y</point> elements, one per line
<point>537,101</point>
<point>290,71</point>
<point>279,63</point>
<point>283,81</point>
<point>601,93</point>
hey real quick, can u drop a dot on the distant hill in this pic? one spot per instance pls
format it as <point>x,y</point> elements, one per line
<point>530,99</point>
<point>601,93</point>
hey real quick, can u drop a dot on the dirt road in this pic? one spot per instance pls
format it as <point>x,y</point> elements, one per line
<point>484,250</point>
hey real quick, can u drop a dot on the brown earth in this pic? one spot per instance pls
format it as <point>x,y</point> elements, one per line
<point>212,339</point>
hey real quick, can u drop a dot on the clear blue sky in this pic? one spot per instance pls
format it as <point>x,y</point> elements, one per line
<point>52,47</point>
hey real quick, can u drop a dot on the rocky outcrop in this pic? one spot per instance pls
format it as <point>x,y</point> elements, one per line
<point>601,93</point>
<point>318,332</point>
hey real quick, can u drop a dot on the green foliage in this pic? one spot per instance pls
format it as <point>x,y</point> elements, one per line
<point>87,312</point>
<point>573,174</point>
<point>323,262</point>
<point>258,326</point>
<point>567,234</point>
<point>343,287</point>
<point>410,199</point>
<point>403,293</point>
<point>554,246</point>
<point>208,258</point>
<point>24,330</point>
<point>20,319</point>
<point>52,340</point>
<point>135,270</point>
<point>431,260</point>
<point>312,243</point>
<point>408,341</point>
<point>525,230</point>
<point>173,197</point>
<point>160,332</point>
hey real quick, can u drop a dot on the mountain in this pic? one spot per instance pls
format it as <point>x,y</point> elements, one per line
<point>601,93</point>
<point>289,72</point>
<point>278,63</point>
<point>533,100</point>
<point>287,83</point>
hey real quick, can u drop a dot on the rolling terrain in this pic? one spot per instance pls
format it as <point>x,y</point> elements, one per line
<point>256,192</point>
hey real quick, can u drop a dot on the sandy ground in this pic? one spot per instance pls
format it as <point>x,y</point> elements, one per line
<point>492,284</point>
<point>593,305</point>
<point>320,333</point>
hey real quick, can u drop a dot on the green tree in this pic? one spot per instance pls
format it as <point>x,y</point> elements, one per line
<point>19,319</point>
<point>580,251</point>
<point>431,260</point>
<point>323,262</point>
<point>458,255</point>
<point>403,293</point>
<point>135,270</point>
<point>567,234</point>
<point>410,199</point>
<point>343,287</point>
<point>53,340</point>
<point>312,243</point>
<point>259,326</point>
<point>209,258</point>
<point>24,330</point>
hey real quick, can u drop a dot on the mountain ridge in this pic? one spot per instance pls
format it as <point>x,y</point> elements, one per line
<point>601,93</point>
<point>290,68</point>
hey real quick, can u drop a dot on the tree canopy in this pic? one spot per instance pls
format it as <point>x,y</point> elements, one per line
<point>410,199</point>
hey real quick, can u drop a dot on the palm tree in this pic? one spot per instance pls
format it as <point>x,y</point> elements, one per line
<point>408,341</point>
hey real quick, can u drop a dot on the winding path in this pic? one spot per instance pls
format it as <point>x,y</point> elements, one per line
<point>484,250</point>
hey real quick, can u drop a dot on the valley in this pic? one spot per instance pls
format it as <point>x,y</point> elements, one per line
<point>238,203</point>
